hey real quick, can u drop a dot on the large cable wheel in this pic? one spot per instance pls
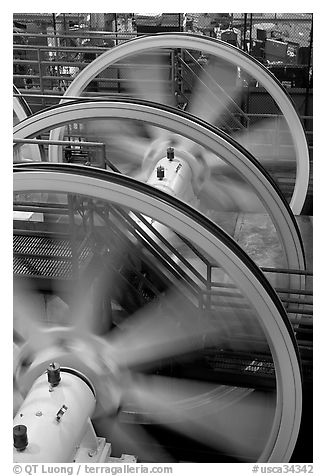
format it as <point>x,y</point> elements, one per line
<point>202,104</point>
<point>219,145</point>
<point>143,369</point>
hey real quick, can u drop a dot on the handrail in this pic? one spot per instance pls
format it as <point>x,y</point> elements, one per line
<point>60,48</point>
<point>73,49</point>
<point>100,145</point>
<point>92,34</point>
<point>58,142</point>
<point>75,62</point>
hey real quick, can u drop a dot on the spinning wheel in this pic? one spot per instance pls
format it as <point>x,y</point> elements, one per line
<point>221,150</point>
<point>208,102</point>
<point>143,369</point>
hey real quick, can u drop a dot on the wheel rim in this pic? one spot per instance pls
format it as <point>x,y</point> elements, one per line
<point>227,52</point>
<point>184,220</point>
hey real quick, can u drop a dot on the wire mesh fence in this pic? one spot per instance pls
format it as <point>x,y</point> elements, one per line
<point>281,41</point>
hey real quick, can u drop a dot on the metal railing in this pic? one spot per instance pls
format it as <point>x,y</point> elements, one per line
<point>47,69</point>
<point>71,146</point>
<point>51,68</point>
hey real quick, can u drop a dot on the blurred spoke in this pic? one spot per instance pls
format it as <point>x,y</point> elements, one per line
<point>160,330</point>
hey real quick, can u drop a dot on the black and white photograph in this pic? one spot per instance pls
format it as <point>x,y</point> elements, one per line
<point>162,240</point>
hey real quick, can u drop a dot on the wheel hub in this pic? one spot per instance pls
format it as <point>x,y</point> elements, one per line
<point>88,355</point>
